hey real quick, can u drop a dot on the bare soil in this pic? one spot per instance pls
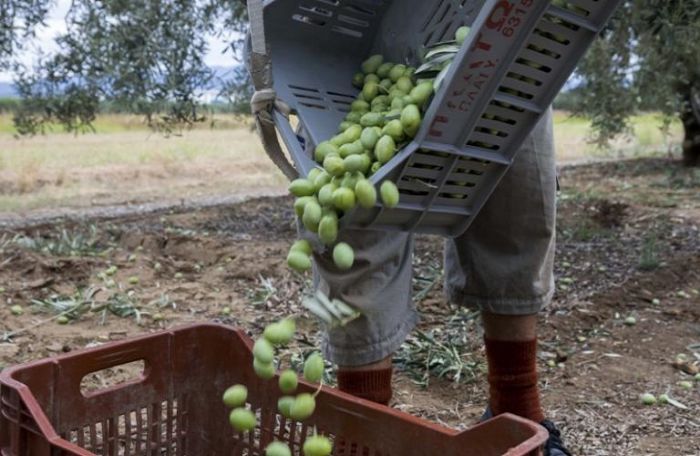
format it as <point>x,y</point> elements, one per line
<point>629,246</point>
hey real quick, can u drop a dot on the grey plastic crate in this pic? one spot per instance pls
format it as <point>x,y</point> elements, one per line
<point>515,60</point>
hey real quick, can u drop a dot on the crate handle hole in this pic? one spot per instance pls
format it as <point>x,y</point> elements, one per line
<point>113,378</point>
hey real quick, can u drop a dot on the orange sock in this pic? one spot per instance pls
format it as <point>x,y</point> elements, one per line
<point>371,384</point>
<point>513,378</point>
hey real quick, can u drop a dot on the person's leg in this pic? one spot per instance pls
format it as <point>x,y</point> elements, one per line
<point>379,285</point>
<point>511,351</point>
<point>503,265</point>
<point>371,382</point>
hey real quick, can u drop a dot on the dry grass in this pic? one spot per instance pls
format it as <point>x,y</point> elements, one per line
<point>647,139</point>
<point>135,166</point>
<point>125,162</point>
<point>28,176</point>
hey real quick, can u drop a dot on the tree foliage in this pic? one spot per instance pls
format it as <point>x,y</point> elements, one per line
<point>648,56</point>
<point>18,22</point>
<point>144,55</point>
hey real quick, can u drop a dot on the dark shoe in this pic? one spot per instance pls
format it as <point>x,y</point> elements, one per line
<point>554,445</point>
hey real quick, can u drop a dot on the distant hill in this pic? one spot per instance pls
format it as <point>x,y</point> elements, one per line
<point>7,90</point>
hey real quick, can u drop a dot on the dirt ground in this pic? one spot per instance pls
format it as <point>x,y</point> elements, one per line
<point>629,246</point>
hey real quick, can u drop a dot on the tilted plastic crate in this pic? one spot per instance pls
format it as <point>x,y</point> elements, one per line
<point>174,408</point>
<point>517,57</point>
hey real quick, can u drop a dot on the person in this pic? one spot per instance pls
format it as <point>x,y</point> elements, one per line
<point>502,266</point>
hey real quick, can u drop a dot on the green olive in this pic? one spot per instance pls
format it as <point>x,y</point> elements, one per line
<point>235,396</point>
<point>264,370</point>
<point>303,246</point>
<point>242,420</point>
<point>278,449</point>
<point>284,405</point>
<point>317,445</point>
<point>389,193</point>
<point>343,256</point>
<point>313,368</point>
<point>303,407</point>
<point>288,381</point>
<point>280,333</point>
<point>263,351</point>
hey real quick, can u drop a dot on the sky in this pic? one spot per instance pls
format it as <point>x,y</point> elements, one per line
<point>55,25</point>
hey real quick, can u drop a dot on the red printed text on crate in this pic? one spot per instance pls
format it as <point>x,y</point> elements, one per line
<point>483,61</point>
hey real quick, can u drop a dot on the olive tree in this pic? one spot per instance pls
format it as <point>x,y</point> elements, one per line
<point>647,58</point>
<point>18,22</point>
<point>144,56</point>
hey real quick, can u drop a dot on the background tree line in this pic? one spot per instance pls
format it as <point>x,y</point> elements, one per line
<point>147,57</point>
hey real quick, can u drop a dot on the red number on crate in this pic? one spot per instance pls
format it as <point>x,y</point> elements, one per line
<point>499,15</point>
<point>503,18</point>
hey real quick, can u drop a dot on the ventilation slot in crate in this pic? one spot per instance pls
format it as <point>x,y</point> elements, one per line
<point>534,66</point>
<point>159,427</point>
<point>360,10</point>
<point>305,19</point>
<point>316,10</point>
<point>422,175</point>
<point>354,449</point>
<point>579,8</point>
<point>347,31</point>
<point>489,125</point>
<point>341,101</point>
<point>523,79</point>
<point>349,20</point>
<point>462,182</point>
<point>447,16</point>
<point>484,142</point>
<point>515,89</point>
<point>504,110</point>
<point>353,21</point>
<point>309,97</point>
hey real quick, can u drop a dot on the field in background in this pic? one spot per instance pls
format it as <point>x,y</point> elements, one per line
<point>646,139</point>
<point>124,162</point>
<point>119,123</point>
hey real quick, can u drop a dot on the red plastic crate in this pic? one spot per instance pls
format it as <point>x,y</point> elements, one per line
<point>175,408</point>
